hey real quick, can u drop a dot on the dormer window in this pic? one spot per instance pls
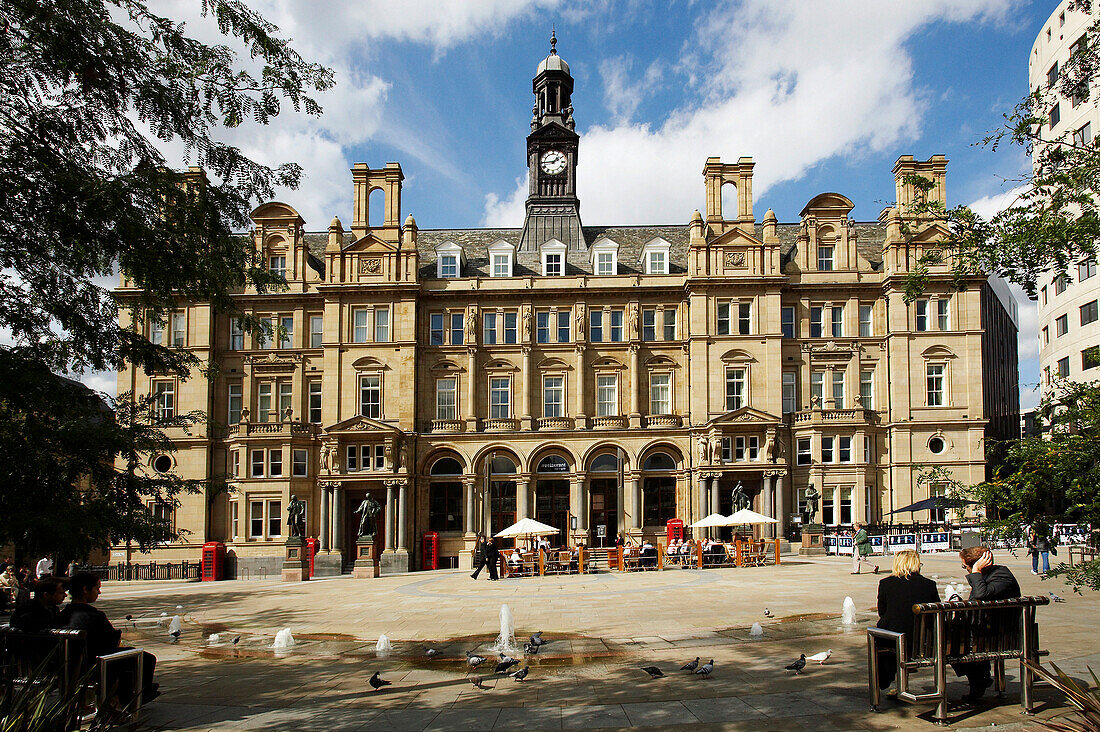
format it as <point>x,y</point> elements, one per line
<point>501,256</point>
<point>655,256</point>
<point>277,265</point>
<point>605,258</point>
<point>553,258</point>
<point>449,260</point>
<point>825,258</point>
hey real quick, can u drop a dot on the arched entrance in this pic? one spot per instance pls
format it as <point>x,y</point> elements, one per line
<point>604,480</point>
<point>552,495</point>
<point>502,496</point>
<point>658,489</point>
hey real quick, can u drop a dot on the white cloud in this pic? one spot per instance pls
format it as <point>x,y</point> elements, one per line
<point>789,84</point>
<point>989,206</point>
<point>624,90</point>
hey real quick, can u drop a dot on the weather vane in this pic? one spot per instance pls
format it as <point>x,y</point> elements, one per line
<point>553,41</point>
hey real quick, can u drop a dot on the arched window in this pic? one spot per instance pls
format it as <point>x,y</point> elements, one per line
<point>502,466</point>
<point>446,466</point>
<point>659,461</point>
<point>605,463</point>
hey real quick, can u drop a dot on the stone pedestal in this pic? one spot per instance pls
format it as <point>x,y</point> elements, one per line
<point>394,561</point>
<point>813,536</point>
<point>295,562</point>
<point>328,564</point>
<point>365,566</point>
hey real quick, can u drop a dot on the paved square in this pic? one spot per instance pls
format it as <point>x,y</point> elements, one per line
<point>601,629</point>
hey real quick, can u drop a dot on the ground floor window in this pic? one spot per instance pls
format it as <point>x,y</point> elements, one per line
<point>658,500</point>
<point>445,506</point>
<point>552,506</point>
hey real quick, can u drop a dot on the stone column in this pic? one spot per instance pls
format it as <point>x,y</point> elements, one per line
<point>471,390</point>
<point>525,391</point>
<point>323,523</point>
<point>635,380</point>
<point>836,505</point>
<point>575,503</point>
<point>781,510</point>
<point>402,516</point>
<point>578,412</point>
<point>468,504</point>
<point>389,516</point>
<point>337,516</point>
<point>523,498</point>
<point>636,495</point>
<point>701,498</point>
<point>714,494</point>
<point>766,506</point>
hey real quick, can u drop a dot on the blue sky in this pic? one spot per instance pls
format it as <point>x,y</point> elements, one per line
<point>824,95</point>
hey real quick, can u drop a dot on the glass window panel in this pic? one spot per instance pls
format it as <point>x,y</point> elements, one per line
<point>660,393</point>
<point>595,326</point>
<point>370,396</point>
<point>381,325</point>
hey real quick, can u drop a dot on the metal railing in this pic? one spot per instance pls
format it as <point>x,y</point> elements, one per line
<point>124,572</point>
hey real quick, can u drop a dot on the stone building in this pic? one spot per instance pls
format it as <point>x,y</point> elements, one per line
<point>599,379</point>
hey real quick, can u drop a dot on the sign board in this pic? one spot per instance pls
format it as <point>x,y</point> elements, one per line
<point>878,544</point>
<point>553,464</point>
<point>601,531</point>
<point>936,541</point>
<point>838,544</point>
<point>901,542</point>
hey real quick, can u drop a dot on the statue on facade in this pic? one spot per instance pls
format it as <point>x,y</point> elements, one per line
<point>296,517</point>
<point>578,315</point>
<point>812,499</point>
<point>526,323</point>
<point>368,510</point>
<point>704,448</point>
<point>633,322</point>
<point>740,498</point>
<point>403,454</point>
<point>769,446</point>
<point>471,325</point>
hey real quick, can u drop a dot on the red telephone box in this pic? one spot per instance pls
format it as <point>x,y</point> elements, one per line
<point>429,551</point>
<point>213,561</point>
<point>674,529</point>
<point>312,545</point>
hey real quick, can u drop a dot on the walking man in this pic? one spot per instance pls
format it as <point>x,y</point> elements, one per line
<point>492,557</point>
<point>479,556</point>
<point>861,549</point>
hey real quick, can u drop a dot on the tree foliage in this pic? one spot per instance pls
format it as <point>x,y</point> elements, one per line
<point>90,90</point>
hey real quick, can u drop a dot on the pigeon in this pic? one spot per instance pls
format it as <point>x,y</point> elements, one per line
<point>474,660</point>
<point>691,666</point>
<point>798,665</point>
<point>767,613</point>
<point>706,669</point>
<point>536,639</point>
<point>505,665</point>
<point>236,640</point>
<point>530,649</point>
<point>129,617</point>
<point>476,681</point>
<point>821,658</point>
<point>176,634</point>
<point>179,607</point>
<point>164,615</point>
<point>1057,598</point>
<point>378,682</point>
<point>522,673</point>
<point>431,653</point>
<point>653,671</point>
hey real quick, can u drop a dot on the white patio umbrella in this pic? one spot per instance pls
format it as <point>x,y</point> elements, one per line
<point>715,519</point>
<point>527,527</point>
<point>747,516</point>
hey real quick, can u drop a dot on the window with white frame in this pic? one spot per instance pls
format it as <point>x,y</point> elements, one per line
<point>274,519</point>
<point>449,259</point>
<point>867,388</point>
<point>649,324</point>
<point>542,326</point>
<point>553,258</point>
<point>844,449</point>
<point>458,328</point>
<point>156,331</point>
<point>489,337</point>
<point>448,266</point>
<point>277,265</point>
<point>502,264</point>
<point>266,337</point>
<point>553,396</point>
<point>299,463</point>
<point>825,257</point>
<point>722,324</point>
<point>615,318</point>
<point>235,400</point>
<point>351,463</point>
<point>607,395</point>
<point>510,330</point>
<point>655,256</point>
<point>817,387</point>
<point>670,324</point>
<point>838,321</point>
<point>315,402</point>
<point>359,329</point>
<point>804,447</point>
<point>660,393</point>
<point>235,463</point>
<point>370,395</point>
<point>286,398</point>
<point>235,520</point>
<point>316,330</point>
<point>258,462</point>
<point>179,329</point>
<point>727,449</point>
<point>868,449</point>
<point>595,326</point>
<point>256,519</point>
<point>236,335</point>
<point>943,313</point>
<point>744,318</point>
<point>605,263</point>
<point>605,256</point>
<point>788,321</point>
<point>827,455</point>
<point>263,401</point>
<point>866,325</point>
<point>286,331</point>
<point>500,397</point>
<point>936,376</point>
<point>275,463</point>
<point>164,400</point>
<point>564,317</point>
<point>736,385</point>
<point>790,392</point>
<point>816,326</point>
<point>838,389</point>
<point>381,325</point>
<point>446,398</point>
<point>921,308</point>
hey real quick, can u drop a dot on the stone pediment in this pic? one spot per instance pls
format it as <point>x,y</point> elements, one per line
<point>742,416</point>
<point>933,233</point>
<point>276,211</point>
<point>273,361</point>
<point>735,237</point>
<point>360,424</point>
<point>553,130</point>
<point>371,244</point>
<point>829,205</point>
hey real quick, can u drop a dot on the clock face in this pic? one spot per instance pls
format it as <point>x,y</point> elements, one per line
<point>553,162</point>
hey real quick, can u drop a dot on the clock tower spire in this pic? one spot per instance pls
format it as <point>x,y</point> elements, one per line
<point>553,209</point>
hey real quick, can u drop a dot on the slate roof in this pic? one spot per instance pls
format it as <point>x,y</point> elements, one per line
<point>870,237</point>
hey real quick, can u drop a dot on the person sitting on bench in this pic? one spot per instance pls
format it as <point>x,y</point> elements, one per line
<point>988,581</point>
<point>42,611</point>
<point>648,555</point>
<point>103,638</point>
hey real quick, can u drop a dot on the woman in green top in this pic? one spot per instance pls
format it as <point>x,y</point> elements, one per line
<point>861,547</point>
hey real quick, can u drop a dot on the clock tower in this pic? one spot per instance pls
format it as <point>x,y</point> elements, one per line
<point>553,209</point>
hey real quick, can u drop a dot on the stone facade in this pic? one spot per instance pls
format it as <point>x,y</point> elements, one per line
<point>603,384</point>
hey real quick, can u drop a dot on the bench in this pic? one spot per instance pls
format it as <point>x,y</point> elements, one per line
<point>1084,553</point>
<point>945,633</point>
<point>59,658</point>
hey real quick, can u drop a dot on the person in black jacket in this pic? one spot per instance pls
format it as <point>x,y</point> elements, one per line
<point>988,581</point>
<point>479,556</point>
<point>897,594</point>
<point>102,637</point>
<point>41,612</point>
<point>492,558</point>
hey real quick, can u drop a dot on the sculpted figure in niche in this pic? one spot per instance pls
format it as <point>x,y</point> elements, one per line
<point>526,322</point>
<point>368,510</point>
<point>704,449</point>
<point>633,322</point>
<point>471,325</point>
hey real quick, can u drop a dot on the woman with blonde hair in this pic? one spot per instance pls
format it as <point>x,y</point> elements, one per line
<point>897,594</point>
